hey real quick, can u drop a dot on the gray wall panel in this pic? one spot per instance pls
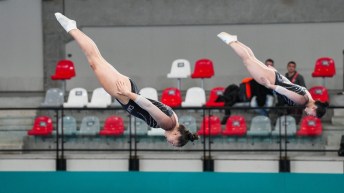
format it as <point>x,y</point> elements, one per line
<point>205,12</point>
<point>22,48</point>
<point>21,45</point>
<point>137,51</point>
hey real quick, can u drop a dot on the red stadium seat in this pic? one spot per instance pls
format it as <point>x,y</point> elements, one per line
<point>319,93</point>
<point>171,97</point>
<point>210,126</point>
<point>64,70</point>
<point>42,126</point>
<point>324,67</point>
<point>203,69</point>
<point>235,126</point>
<point>113,126</point>
<point>214,93</point>
<point>310,126</point>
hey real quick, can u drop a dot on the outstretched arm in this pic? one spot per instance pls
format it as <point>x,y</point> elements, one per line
<point>164,121</point>
<point>297,98</point>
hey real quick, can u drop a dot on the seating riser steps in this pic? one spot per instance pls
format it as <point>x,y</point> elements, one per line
<point>337,120</point>
<point>13,122</point>
<point>17,113</point>
<point>338,112</point>
<point>337,100</point>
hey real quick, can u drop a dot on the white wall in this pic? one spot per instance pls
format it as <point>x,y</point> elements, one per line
<point>171,165</point>
<point>270,166</point>
<point>305,165</point>
<point>21,47</point>
<point>316,166</point>
<point>146,53</point>
<point>97,165</point>
<point>30,164</point>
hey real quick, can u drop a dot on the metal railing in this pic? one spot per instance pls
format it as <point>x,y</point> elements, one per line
<point>134,147</point>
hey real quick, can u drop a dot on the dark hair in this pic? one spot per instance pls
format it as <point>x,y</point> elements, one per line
<point>292,62</point>
<point>269,60</point>
<point>321,108</point>
<point>185,136</point>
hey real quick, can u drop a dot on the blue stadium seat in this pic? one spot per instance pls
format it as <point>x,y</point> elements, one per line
<point>141,127</point>
<point>283,124</point>
<point>69,126</point>
<point>54,97</point>
<point>189,122</point>
<point>260,126</point>
<point>89,126</point>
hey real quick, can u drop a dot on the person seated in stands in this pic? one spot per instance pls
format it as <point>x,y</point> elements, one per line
<point>230,96</point>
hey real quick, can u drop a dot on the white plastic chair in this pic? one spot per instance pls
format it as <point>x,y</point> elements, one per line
<point>149,92</point>
<point>156,132</point>
<point>269,102</point>
<point>100,98</point>
<point>195,97</point>
<point>115,104</point>
<point>180,69</point>
<point>77,98</point>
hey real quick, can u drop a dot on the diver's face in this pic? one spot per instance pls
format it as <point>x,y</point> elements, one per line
<point>310,110</point>
<point>172,137</point>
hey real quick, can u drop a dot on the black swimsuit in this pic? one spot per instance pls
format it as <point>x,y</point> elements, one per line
<point>290,86</point>
<point>135,110</point>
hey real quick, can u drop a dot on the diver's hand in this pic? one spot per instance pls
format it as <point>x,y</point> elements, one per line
<point>122,89</point>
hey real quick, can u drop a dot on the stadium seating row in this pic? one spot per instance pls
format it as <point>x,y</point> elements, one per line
<point>261,126</point>
<point>204,68</point>
<point>90,125</point>
<point>78,97</point>
<point>210,125</point>
<point>324,67</point>
<point>195,97</point>
<point>180,68</point>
